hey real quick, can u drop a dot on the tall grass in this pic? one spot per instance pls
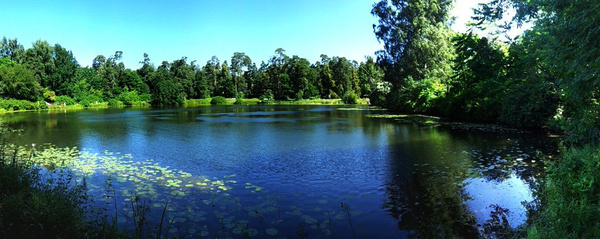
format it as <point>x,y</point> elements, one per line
<point>45,200</point>
<point>36,203</point>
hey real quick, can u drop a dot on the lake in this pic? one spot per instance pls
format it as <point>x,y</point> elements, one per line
<point>296,171</point>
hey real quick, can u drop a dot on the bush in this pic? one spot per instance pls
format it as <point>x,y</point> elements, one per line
<point>85,103</point>
<point>42,105</point>
<point>268,95</point>
<point>114,102</point>
<point>218,100</point>
<point>129,97</point>
<point>12,104</point>
<point>239,98</point>
<point>350,97</point>
<point>64,99</point>
<point>570,199</point>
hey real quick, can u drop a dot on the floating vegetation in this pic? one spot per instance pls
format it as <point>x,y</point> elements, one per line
<point>191,205</point>
<point>271,231</point>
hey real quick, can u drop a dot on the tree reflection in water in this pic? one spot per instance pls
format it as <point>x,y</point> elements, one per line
<point>479,191</point>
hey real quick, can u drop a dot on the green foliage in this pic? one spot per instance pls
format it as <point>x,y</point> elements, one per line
<point>44,71</point>
<point>350,97</point>
<point>63,99</point>
<point>18,82</point>
<point>129,97</point>
<point>49,95</point>
<point>12,104</point>
<point>418,51</point>
<point>41,105</point>
<point>85,103</point>
<point>196,102</point>
<point>34,206</point>
<point>167,94</point>
<point>218,100</point>
<point>114,102</point>
<point>239,98</point>
<point>267,96</point>
<point>571,206</point>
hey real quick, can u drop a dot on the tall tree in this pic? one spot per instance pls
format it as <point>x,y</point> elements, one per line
<point>65,67</point>
<point>369,74</point>
<point>39,60</point>
<point>226,87</point>
<point>11,49</point>
<point>417,50</point>
<point>328,83</point>
<point>17,82</point>
<point>565,46</point>
<point>240,62</point>
<point>211,69</point>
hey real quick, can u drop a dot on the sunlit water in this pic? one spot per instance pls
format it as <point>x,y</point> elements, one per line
<point>285,171</point>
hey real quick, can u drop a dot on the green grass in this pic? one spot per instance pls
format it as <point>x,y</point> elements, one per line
<point>255,101</point>
<point>196,102</point>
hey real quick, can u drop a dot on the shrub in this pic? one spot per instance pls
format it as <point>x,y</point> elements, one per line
<point>12,104</point>
<point>65,99</point>
<point>239,98</point>
<point>114,102</point>
<point>42,105</point>
<point>268,95</point>
<point>129,97</point>
<point>350,97</point>
<point>85,103</point>
<point>570,197</point>
<point>218,100</point>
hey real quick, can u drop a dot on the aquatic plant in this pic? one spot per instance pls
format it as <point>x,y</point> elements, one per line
<point>346,209</point>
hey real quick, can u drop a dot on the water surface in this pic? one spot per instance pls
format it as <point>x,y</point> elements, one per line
<point>317,171</point>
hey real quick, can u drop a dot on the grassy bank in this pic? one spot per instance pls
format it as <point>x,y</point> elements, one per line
<point>255,101</point>
<point>11,106</point>
<point>570,196</point>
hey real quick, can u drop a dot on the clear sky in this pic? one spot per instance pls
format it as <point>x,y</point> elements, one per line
<point>199,29</point>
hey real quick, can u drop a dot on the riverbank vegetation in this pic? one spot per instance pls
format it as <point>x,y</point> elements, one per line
<point>546,78</point>
<point>49,75</point>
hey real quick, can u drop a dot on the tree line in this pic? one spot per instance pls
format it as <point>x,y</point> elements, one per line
<point>51,73</point>
<point>547,77</point>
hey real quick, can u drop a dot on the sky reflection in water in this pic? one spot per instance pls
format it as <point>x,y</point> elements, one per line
<point>399,178</point>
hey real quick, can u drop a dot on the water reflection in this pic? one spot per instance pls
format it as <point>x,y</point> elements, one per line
<point>508,194</point>
<point>461,184</point>
<point>399,179</point>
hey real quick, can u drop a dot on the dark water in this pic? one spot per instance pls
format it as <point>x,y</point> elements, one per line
<point>285,171</point>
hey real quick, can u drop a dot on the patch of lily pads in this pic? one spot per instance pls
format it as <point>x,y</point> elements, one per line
<point>195,205</point>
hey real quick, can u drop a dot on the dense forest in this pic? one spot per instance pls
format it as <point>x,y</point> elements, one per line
<point>545,78</point>
<point>51,74</point>
<point>548,77</point>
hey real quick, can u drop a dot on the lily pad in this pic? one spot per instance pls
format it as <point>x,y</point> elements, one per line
<point>251,232</point>
<point>272,231</point>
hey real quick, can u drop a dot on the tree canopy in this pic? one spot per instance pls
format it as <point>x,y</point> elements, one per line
<point>53,70</point>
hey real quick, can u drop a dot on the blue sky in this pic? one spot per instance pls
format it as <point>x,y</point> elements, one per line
<point>198,29</point>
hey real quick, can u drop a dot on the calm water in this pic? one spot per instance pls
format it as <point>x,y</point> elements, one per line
<point>284,171</point>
